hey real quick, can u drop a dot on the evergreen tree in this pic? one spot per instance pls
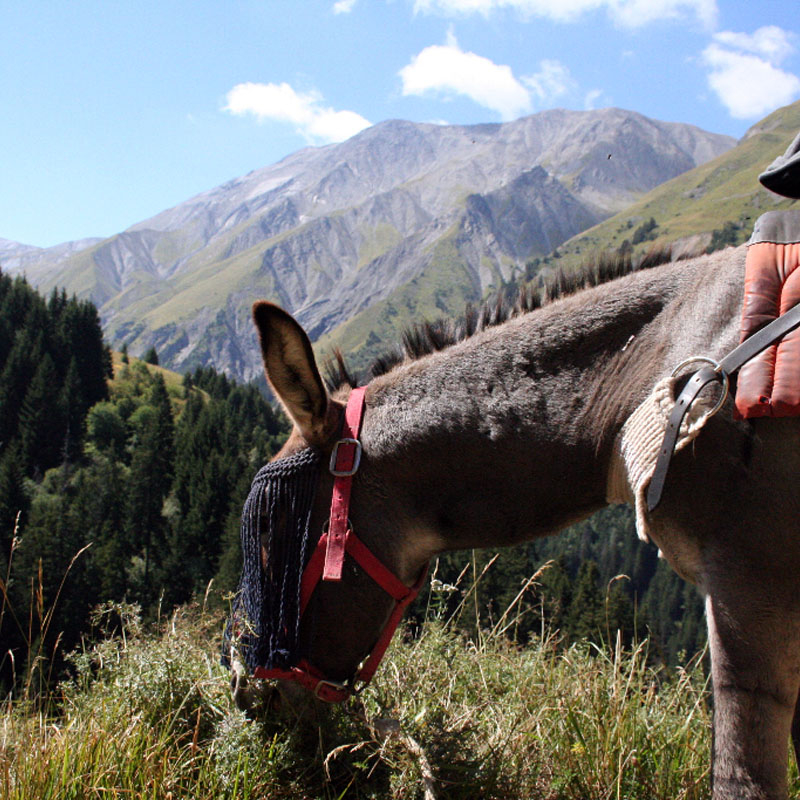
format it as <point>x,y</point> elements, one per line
<point>100,489</point>
<point>50,575</point>
<point>13,500</point>
<point>230,561</point>
<point>42,422</point>
<point>148,485</point>
<point>18,371</point>
<point>74,408</point>
<point>206,470</point>
<point>586,615</point>
<point>151,357</point>
<point>80,334</point>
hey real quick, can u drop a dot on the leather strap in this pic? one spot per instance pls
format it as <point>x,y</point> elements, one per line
<point>696,384</point>
<point>344,463</point>
<point>760,340</point>
<point>740,355</point>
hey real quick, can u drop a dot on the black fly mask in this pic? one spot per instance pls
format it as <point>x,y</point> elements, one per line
<point>265,618</point>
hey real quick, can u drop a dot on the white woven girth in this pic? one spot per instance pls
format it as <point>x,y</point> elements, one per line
<point>637,446</point>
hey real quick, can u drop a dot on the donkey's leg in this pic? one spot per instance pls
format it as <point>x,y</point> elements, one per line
<point>755,681</point>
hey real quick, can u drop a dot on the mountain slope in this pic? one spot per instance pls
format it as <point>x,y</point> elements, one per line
<point>690,207</point>
<point>402,217</point>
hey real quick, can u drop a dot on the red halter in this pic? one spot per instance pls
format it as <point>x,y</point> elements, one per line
<point>327,561</point>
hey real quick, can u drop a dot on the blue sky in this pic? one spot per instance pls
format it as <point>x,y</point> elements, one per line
<point>113,111</point>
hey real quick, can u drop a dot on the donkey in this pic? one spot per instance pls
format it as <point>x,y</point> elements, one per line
<point>510,434</point>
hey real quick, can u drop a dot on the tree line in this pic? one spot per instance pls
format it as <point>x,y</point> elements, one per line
<point>110,490</point>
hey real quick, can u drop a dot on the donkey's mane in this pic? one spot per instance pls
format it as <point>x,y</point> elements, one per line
<point>424,338</point>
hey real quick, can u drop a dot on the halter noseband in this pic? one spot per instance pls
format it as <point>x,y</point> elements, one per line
<point>327,561</point>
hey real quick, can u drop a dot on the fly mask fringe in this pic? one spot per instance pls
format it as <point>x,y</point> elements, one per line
<point>637,446</point>
<point>265,619</point>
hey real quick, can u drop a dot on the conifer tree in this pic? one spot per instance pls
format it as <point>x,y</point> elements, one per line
<point>99,489</point>
<point>150,357</point>
<point>585,618</point>
<point>50,571</point>
<point>42,423</point>
<point>149,483</point>
<point>81,336</point>
<point>74,408</point>
<point>17,373</point>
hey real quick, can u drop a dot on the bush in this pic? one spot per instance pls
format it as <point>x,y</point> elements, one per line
<point>727,236</point>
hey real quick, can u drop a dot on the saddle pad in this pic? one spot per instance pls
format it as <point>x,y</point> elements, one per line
<point>769,384</point>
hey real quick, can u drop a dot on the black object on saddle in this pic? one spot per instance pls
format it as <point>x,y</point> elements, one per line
<point>265,618</point>
<point>782,176</point>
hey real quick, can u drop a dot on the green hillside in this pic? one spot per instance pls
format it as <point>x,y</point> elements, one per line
<point>691,207</point>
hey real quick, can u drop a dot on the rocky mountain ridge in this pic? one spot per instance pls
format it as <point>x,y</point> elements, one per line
<point>403,218</point>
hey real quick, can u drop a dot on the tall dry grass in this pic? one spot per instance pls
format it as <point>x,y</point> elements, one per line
<point>147,715</point>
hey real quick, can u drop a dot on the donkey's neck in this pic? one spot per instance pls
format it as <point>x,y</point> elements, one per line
<point>508,435</point>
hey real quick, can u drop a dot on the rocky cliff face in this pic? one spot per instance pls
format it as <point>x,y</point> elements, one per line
<point>332,232</point>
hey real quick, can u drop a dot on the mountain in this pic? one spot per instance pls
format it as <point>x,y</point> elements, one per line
<point>403,219</point>
<point>722,195</point>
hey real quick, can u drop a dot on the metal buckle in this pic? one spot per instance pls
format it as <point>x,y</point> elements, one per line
<point>345,473</point>
<point>718,369</point>
<point>326,526</point>
<point>337,687</point>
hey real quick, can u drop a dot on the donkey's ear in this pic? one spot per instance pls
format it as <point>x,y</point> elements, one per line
<point>292,370</point>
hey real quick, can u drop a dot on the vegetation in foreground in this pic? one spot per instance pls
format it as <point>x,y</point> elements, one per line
<point>147,714</point>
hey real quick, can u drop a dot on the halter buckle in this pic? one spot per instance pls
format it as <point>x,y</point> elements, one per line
<point>330,688</point>
<point>345,473</point>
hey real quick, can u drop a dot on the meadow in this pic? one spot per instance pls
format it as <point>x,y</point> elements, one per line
<point>147,714</point>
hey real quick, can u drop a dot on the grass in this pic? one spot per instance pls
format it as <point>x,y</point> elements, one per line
<point>147,714</point>
<point>172,380</point>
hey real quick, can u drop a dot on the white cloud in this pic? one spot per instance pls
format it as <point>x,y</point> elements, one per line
<point>551,81</point>
<point>636,13</point>
<point>447,70</point>
<point>631,13</point>
<point>744,71</point>
<point>591,99</point>
<point>343,6</point>
<point>770,42</point>
<point>281,103</point>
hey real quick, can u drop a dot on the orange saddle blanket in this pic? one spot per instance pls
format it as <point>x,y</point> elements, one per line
<point>769,384</point>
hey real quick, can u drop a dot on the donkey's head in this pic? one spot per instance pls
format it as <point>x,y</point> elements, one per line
<point>334,621</point>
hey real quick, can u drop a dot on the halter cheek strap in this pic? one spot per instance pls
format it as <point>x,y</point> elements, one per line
<point>345,459</point>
